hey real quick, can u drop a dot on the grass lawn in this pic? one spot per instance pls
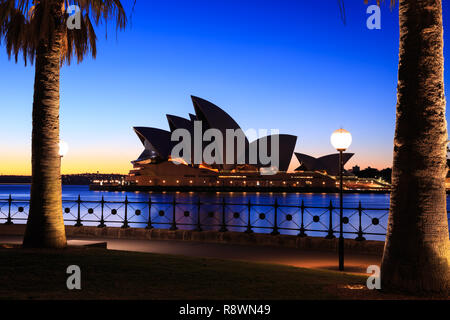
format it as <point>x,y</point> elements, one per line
<point>41,274</point>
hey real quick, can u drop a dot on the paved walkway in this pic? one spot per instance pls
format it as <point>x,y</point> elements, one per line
<point>354,263</point>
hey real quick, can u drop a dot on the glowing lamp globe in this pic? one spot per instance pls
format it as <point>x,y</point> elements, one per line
<point>341,139</point>
<point>63,148</point>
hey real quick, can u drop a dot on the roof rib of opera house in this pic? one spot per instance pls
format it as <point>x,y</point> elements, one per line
<point>213,116</point>
<point>176,122</point>
<point>328,163</point>
<point>155,140</point>
<point>286,148</point>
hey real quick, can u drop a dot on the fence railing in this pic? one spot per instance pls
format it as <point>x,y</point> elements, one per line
<point>275,218</point>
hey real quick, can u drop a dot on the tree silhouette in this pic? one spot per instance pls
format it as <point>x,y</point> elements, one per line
<point>39,30</point>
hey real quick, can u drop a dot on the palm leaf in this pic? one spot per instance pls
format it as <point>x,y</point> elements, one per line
<point>25,24</point>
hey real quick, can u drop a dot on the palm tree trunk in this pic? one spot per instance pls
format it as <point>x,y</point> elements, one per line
<point>45,225</point>
<point>416,254</point>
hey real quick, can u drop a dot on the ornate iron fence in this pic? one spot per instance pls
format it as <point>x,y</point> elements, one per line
<point>275,218</point>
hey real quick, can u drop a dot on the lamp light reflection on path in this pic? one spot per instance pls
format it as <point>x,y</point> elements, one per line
<point>341,139</point>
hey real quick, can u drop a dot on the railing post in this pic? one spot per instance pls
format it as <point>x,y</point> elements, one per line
<point>275,219</point>
<point>125,221</point>
<point>360,236</point>
<point>223,227</point>
<point>174,221</point>
<point>78,223</point>
<point>330,234</point>
<point>302,225</point>
<point>199,227</point>
<point>149,222</point>
<point>249,224</point>
<point>9,220</point>
<point>102,220</point>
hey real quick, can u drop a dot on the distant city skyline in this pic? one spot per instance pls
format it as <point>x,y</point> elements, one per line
<point>272,65</point>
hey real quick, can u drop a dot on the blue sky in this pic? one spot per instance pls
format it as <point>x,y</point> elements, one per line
<point>288,65</point>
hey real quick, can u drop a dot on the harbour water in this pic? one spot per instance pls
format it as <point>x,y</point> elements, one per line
<point>71,192</point>
<point>371,219</point>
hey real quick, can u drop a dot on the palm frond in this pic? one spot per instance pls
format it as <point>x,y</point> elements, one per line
<point>392,2</point>
<point>25,24</point>
<point>341,5</point>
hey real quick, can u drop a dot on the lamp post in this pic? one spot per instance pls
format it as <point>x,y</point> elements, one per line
<point>341,140</point>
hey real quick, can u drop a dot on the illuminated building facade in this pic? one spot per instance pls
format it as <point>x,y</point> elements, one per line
<point>155,167</point>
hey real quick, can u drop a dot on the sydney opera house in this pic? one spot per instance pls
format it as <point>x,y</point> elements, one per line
<point>155,167</point>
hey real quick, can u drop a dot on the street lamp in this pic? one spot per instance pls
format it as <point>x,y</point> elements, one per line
<point>63,148</point>
<point>341,139</point>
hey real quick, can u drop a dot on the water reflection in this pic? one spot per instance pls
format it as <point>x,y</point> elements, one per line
<point>213,216</point>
